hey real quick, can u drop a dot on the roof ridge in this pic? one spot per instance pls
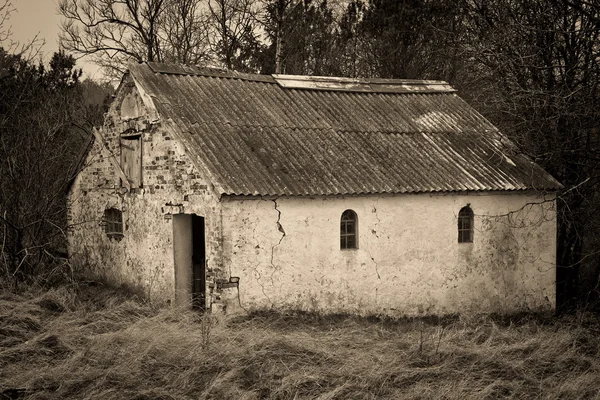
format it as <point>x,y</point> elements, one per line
<point>196,70</point>
<point>310,82</point>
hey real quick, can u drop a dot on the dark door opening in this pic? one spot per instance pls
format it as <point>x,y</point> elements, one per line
<point>198,263</point>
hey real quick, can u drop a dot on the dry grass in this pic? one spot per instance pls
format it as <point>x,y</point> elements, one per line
<point>96,343</point>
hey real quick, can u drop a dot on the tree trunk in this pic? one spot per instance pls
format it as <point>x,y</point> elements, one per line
<point>281,5</point>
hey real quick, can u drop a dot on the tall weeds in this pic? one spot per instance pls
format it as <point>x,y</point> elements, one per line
<point>96,343</point>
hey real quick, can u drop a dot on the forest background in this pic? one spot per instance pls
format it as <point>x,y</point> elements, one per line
<point>532,68</point>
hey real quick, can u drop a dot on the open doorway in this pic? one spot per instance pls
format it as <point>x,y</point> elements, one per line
<point>198,263</point>
<point>189,250</point>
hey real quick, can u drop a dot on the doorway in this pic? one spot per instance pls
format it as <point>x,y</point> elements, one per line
<point>189,250</point>
<point>198,263</point>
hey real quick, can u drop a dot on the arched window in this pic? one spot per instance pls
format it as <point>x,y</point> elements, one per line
<point>465,225</point>
<point>113,223</point>
<point>349,230</point>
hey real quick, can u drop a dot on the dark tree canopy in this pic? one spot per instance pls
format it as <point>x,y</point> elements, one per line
<point>411,39</point>
<point>306,31</point>
<point>45,126</point>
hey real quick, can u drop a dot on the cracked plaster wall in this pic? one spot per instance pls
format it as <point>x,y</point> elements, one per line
<point>144,256</point>
<point>287,254</point>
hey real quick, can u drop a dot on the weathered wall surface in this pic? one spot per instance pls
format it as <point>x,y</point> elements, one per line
<point>409,261</point>
<point>170,184</point>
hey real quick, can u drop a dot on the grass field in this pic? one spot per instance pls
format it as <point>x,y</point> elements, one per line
<point>99,343</point>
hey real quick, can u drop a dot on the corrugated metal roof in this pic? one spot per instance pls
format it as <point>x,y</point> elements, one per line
<point>255,136</point>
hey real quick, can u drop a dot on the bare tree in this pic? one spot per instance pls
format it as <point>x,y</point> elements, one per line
<point>233,32</point>
<point>281,8</point>
<point>6,8</point>
<point>112,31</point>
<point>115,32</point>
<point>30,49</point>
<point>184,32</point>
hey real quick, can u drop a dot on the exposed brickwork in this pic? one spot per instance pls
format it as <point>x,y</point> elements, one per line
<point>144,256</point>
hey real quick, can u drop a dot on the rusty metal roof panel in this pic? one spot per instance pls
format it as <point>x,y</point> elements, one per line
<point>257,136</point>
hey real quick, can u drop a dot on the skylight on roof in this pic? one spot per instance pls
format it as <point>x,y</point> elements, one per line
<point>362,85</point>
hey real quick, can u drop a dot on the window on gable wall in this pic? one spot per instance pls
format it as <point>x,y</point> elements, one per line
<point>131,158</point>
<point>465,225</point>
<point>113,223</point>
<point>349,230</point>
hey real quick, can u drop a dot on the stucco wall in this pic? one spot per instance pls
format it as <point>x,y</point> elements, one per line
<point>171,184</point>
<point>408,261</point>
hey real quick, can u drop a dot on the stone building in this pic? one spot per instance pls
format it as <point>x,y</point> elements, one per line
<point>235,192</point>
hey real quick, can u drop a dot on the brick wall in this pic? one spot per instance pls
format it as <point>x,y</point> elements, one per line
<point>171,184</point>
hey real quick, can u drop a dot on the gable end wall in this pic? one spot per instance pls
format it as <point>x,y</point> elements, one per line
<point>171,184</point>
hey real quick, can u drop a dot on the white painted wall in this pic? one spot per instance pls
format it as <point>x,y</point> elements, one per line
<point>408,261</point>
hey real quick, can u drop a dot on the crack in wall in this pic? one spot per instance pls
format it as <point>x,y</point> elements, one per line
<point>377,272</point>
<point>375,233</point>
<point>374,211</point>
<point>257,273</point>
<point>262,287</point>
<point>280,229</point>
<point>376,267</point>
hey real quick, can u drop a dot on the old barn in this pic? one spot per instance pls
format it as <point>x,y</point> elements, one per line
<point>234,192</point>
